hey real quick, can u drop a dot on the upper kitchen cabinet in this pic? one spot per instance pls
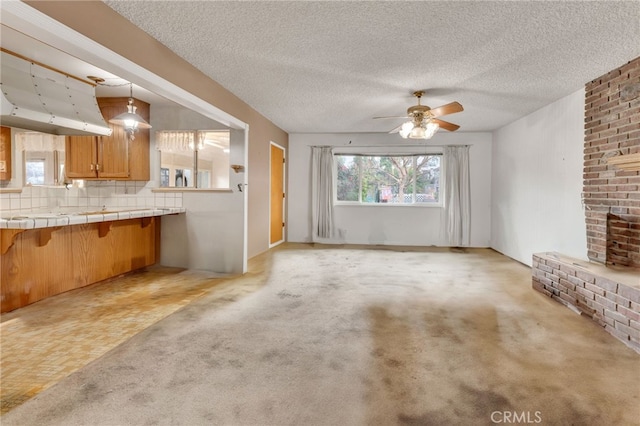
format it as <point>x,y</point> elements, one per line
<point>119,145</point>
<point>5,153</point>
<point>81,157</point>
<point>110,157</point>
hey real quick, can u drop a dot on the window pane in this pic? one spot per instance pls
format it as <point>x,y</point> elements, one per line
<point>61,175</point>
<point>204,179</point>
<point>177,159</point>
<point>164,177</point>
<point>428,179</point>
<point>387,179</point>
<point>176,162</point>
<point>394,179</point>
<point>186,177</point>
<point>34,170</point>
<point>213,164</point>
<point>348,178</point>
<point>181,179</point>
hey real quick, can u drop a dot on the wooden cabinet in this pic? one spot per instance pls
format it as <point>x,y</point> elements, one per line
<point>39,263</point>
<point>110,157</point>
<point>5,153</point>
<point>121,157</point>
<point>81,156</point>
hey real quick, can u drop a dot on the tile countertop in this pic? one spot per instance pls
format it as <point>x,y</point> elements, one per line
<point>32,220</point>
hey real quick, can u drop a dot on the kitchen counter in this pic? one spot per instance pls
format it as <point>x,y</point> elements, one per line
<point>35,220</point>
<point>47,253</point>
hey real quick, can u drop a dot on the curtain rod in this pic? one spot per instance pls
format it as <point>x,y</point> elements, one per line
<point>384,146</point>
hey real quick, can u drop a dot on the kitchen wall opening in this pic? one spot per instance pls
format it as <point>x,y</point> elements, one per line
<point>194,159</point>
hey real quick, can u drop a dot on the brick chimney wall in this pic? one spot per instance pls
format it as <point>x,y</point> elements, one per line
<point>612,196</point>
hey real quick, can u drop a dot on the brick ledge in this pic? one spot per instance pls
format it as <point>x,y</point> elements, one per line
<point>592,290</point>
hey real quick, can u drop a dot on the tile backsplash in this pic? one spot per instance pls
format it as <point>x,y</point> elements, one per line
<point>92,194</point>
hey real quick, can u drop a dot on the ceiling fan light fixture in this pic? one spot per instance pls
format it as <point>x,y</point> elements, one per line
<point>418,132</point>
<point>423,131</point>
<point>431,129</point>
<point>406,128</point>
<point>424,121</point>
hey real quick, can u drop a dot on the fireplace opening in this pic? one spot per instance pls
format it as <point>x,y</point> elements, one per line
<point>623,241</point>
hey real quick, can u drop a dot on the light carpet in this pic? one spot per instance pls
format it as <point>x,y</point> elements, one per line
<point>350,336</point>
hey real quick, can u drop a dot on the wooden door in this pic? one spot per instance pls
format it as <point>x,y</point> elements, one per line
<point>5,153</point>
<point>276,234</point>
<point>80,157</point>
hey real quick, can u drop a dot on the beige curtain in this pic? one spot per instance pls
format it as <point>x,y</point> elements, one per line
<point>175,140</point>
<point>457,207</point>
<point>321,192</point>
<point>34,141</point>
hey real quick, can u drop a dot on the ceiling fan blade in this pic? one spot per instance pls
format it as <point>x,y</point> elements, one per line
<point>446,125</point>
<point>451,108</point>
<point>396,130</point>
<point>392,116</point>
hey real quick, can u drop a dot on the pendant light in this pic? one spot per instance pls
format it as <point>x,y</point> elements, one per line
<point>130,120</point>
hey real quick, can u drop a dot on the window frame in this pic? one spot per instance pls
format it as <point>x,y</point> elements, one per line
<point>415,155</point>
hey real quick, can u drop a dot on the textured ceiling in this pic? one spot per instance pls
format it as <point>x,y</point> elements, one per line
<point>332,66</point>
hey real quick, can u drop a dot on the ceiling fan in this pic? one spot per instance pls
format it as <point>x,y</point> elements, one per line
<point>423,121</point>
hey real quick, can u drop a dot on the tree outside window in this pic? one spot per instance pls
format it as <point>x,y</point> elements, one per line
<point>392,179</point>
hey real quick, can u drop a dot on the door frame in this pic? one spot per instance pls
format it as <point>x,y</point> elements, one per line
<point>284,184</point>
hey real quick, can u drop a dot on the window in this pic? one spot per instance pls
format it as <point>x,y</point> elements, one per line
<point>389,179</point>
<point>164,176</point>
<point>182,178</point>
<point>34,171</point>
<point>42,156</point>
<point>181,158</point>
<point>204,179</point>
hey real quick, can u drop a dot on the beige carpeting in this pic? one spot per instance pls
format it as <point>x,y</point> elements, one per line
<point>351,336</point>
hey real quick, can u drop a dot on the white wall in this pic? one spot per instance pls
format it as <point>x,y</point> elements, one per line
<point>208,236</point>
<point>536,182</point>
<point>211,234</point>
<point>387,225</point>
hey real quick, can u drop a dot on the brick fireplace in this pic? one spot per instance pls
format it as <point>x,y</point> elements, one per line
<point>611,194</point>
<point>606,289</point>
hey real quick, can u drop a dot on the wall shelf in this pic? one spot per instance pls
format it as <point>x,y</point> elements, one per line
<point>629,162</point>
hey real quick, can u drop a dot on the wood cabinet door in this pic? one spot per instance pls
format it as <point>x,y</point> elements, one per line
<point>139,147</point>
<point>113,154</point>
<point>5,153</point>
<point>110,157</point>
<point>80,156</point>
<point>113,150</point>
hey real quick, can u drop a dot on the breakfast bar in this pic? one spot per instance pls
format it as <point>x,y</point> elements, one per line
<point>47,253</point>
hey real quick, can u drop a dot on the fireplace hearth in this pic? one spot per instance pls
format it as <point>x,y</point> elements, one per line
<point>609,296</point>
<point>606,288</point>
